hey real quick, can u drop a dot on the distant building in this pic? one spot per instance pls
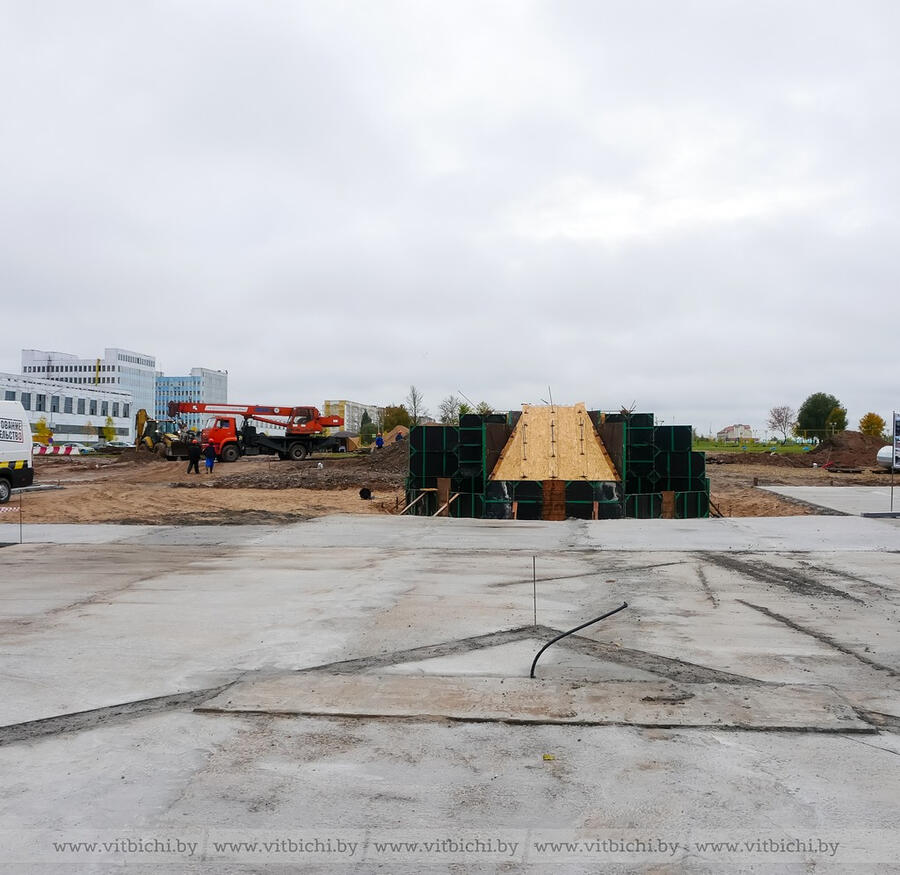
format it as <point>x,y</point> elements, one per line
<point>352,411</point>
<point>735,433</point>
<point>73,412</point>
<point>119,370</point>
<point>201,386</point>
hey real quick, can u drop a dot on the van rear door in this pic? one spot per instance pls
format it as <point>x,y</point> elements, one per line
<point>16,469</point>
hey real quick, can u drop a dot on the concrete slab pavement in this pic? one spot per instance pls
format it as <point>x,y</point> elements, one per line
<point>111,639</point>
<point>526,700</point>
<point>732,534</point>
<point>851,500</point>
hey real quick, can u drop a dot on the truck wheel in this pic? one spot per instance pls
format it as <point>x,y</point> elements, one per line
<point>5,490</point>
<point>229,453</point>
<point>297,452</point>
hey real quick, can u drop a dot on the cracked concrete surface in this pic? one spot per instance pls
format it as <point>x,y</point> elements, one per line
<point>113,639</point>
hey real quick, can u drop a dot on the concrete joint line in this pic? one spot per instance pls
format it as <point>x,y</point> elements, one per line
<point>82,720</point>
<point>820,636</point>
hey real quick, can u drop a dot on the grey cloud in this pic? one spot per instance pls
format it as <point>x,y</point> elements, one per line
<point>689,206</point>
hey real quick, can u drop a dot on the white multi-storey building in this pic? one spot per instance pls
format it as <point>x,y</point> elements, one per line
<point>119,370</point>
<point>73,412</point>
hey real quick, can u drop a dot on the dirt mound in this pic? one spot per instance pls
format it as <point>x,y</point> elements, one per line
<point>338,476</point>
<point>381,470</point>
<point>140,456</point>
<point>771,460</point>
<point>222,518</point>
<point>391,457</point>
<point>847,449</point>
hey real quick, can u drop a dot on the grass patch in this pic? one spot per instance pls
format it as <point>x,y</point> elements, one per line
<point>707,446</point>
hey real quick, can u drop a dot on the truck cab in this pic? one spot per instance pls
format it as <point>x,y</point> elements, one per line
<point>223,434</point>
<point>16,469</point>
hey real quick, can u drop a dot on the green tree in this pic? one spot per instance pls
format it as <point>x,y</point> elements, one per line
<point>108,430</point>
<point>464,409</point>
<point>394,415</point>
<point>484,409</point>
<point>814,413</point>
<point>837,420</point>
<point>366,429</point>
<point>872,424</point>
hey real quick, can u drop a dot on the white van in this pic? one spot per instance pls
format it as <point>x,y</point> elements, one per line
<point>15,449</point>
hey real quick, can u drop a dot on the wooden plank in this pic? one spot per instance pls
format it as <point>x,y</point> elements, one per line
<point>422,494</point>
<point>668,506</point>
<point>447,505</point>
<point>554,443</point>
<point>443,496</point>
<point>554,506</point>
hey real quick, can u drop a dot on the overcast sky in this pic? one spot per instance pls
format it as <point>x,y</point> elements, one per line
<point>685,206</point>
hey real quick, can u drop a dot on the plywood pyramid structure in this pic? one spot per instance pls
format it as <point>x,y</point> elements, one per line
<point>554,443</point>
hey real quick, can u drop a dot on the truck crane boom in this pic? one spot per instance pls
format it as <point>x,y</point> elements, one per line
<point>304,427</point>
<point>297,420</point>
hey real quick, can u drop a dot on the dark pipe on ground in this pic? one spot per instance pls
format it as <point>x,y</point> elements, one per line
<point>576,629</point>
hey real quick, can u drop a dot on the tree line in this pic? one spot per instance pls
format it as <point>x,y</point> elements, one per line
<point>412,411</point>
<point>821,415</point>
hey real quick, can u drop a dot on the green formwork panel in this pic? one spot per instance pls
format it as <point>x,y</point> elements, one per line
<point>433,438</point>
<point>691,505</point>
<point>638,437</point>
<point>471,434</point>
<point>471,454</point>
<point>471,451</point>
<point>643,506</point>
<point>467,485</point>
<point>468,506</point>
<point>641,453</point>
<point>679,464</point>
<point>698,464</point>
<point>417,484</point>
<point>433,464</point>
<point>673,438</point>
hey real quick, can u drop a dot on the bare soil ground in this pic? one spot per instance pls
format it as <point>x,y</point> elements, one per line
<point>148,490</point>
<point>732,487</point>
<point>137,487</point>
<point>734,475</point>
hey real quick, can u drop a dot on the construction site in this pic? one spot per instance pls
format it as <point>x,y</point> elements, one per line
<point>554,639</point>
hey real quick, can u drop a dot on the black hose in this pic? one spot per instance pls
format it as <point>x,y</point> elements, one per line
<point>576,629</point>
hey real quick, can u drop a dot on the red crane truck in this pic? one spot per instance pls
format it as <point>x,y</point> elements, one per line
<point>304,427</point>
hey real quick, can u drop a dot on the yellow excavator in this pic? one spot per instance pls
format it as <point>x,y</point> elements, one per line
<point>161,436</point>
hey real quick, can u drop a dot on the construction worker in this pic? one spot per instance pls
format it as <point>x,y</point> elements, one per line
<point>379,441</point>
<point>209,453</point>
<point>194,456</point>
